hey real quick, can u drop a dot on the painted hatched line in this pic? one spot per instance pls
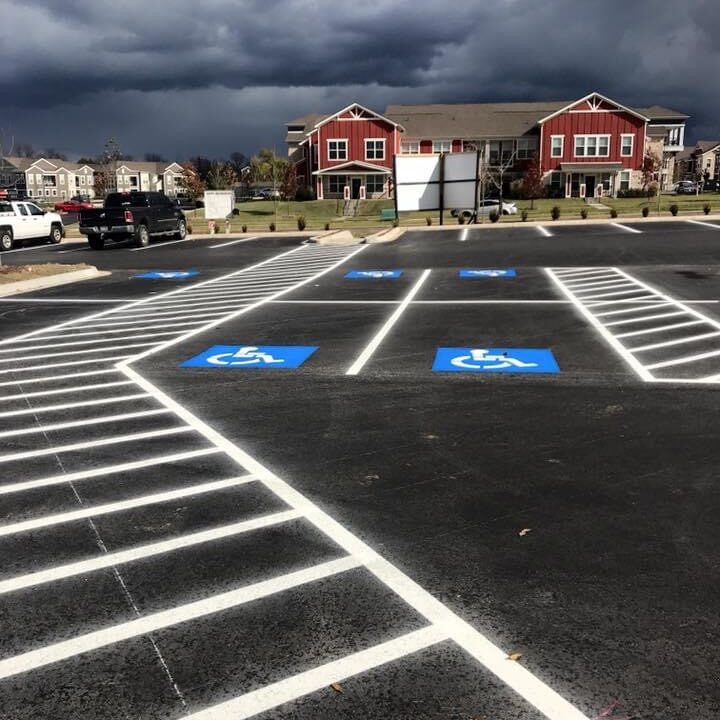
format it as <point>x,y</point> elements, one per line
<point>89,342</point>
<point>72,405</point>
<point>232,242</point>
<point>108,332</point>
<point>55,378</point>
<point>519,679</point>
<point>70,363</point>
<point>72,447</point>
<point>277,693</point>
<point>84,351</point>
<point>141,552</point>
<point>136,502</point>
<point>675,315</point>
<point>62,391</point>
<point>107,470</point>
<point>167,618</point>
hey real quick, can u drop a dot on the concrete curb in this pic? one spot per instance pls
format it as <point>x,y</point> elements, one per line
<point>23,286</point>
<point>337,237</point>
<point>387,235</point>
<point>259,235</point>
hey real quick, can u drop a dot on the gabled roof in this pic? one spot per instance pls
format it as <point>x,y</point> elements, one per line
<point>657,112</point>
<point>357,165</point>
<point>707,145</point>
<point>356,107</point>
<point>594,96</point>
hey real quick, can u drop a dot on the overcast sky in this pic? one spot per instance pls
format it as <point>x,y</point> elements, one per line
<point>187,77</point>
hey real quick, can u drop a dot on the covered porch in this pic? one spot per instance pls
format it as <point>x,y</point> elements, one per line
<point>588,180</point>
<point>353,181</point>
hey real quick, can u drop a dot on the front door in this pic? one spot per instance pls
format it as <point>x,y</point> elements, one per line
<point>589,186</point>
<point>355,193</point>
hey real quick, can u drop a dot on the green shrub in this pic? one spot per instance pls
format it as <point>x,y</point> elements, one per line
<point>555,212</point>
<point>327,226</point>
<point>244,228</point>
<point>674,209</point>
<point>304,193</point>
<point>707,208</point>
<point>396,222</point>
<point>461,219</point>
<point>524,214</point>
<point>272,227</point>
<point>189,229</point>
<point>632,193</point>
<point>494,216</point>
<point>583,213</point>
<point>613,213</point>
<point>301,222</point>
<point>428,221</point>
<point>645,211</point>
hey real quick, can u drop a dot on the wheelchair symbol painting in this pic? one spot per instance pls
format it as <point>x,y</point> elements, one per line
<point>487,273</point>
<point>504,360</point>
<point>281,357</point>
<point>168,275</point>
<point>373,275</point>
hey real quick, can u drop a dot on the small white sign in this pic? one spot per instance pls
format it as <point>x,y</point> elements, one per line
<point>219,204</point>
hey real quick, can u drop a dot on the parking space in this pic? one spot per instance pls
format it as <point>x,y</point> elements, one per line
<point>338,519</point>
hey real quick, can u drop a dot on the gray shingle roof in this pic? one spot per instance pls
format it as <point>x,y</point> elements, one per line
<point>657,112</point>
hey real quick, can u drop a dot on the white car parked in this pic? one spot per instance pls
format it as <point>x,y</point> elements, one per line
<point>485,207</point>
<point>21,221</point>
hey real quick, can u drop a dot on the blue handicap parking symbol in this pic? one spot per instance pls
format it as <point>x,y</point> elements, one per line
<point>487,273</point>
<point>168,275</point>
<point>374,274</point>
<point>260,357</point>
<point>503,360</point>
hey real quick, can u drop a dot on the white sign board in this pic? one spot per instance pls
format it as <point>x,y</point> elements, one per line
<point>418,181</point>
<point>219,204</point>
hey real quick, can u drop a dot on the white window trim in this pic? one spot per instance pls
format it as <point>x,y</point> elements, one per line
<point>405,151</point>
<point>375,140</point>
<point>437,152</point>
<point>530,148</point>
<point>345,145</point>
<point>632,144</point>
<point>597,145</point>
<point>562,146</point>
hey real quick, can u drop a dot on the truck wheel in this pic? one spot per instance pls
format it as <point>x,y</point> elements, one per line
<point>6,239</point>
<point>56,234</point>
<point>142,236</point>
<point>181,230</point>
<point>96,242</point>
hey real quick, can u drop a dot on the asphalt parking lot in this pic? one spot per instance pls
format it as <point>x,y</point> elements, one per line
<point>479,495</point>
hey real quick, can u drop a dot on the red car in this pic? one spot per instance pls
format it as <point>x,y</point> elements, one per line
<point>73,205</point>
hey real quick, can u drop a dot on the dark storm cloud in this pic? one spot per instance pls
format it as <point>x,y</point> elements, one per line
<point>207,75</point>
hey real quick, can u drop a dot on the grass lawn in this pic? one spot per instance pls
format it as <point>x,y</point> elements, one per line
<point>685,203</point>
<point>16,273</point>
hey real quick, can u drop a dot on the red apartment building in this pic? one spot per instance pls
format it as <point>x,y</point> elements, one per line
<point>586,147</point>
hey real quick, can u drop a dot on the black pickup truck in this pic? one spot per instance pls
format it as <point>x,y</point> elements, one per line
<point>133,215</point>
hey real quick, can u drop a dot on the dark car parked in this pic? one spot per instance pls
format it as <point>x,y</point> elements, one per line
<point>134,215</point>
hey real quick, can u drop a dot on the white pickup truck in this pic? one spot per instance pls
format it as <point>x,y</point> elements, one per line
<point>21,221</point>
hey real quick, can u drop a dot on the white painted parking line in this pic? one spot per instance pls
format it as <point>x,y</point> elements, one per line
<point>55,301</point>
<point>115,507</point>
<point>53,378</point>
<point>620,301</point>
<point>616,293</point>
<point>626,228</point>
<point>67,353</point>
<point>584,286</point>
<point>651,306</point>
<point>660,328</point>
<point>25,249</point>
<point>64,390</point>
<point>292,688</point>
<point>644,318</point>
<point>373,345</point>
<point>167,618</point>
<point>544,231</point>
<point>73,447</point>
<point>161,244</point>
<point>107,470</point>
<point>683,360</point>
<point>142,336</point>
<point>145,551</point>
<point>232,242</point>
<point>464,235</point>
<point>147,326</point>
<point>70,363</point>
<point>85,422</point>
<point>681,341</point>
<point>704,224</point>
<point>80,249</point>
<point>477,645</point>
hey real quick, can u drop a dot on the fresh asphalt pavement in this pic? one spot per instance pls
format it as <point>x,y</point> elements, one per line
<point>569,518</point>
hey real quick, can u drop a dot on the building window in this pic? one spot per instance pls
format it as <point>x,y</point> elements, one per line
<point>375,184</point>
<point>556,180</point>
<point>30,193</point>
<point>626,145</point>
<point>62,179</point>
<point>337,149</point>
<point>31,179</point>
<point>592,145</point>
<point>625,180</point>
<point>557,143</point>
<point>374,149</point>
<point>501,150</point>
<point>442,146</point>
<point>410,148</point>
<point>38,179</point>
<point>673,136</point>
<point>336,184</point>
<point>526,148</point>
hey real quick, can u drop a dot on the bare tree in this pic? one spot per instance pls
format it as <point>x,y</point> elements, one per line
<point>222,176</point>
<point>497,175</point>
<point>650,168</point>
<point>532,182</point>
